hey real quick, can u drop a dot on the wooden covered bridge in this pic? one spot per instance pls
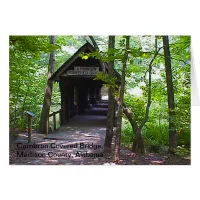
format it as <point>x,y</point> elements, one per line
<point>79,91</point>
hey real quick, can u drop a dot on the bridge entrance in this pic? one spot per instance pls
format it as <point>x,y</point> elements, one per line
<point>80,93</point>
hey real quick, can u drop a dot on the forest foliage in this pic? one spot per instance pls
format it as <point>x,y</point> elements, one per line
<point>28,77</point>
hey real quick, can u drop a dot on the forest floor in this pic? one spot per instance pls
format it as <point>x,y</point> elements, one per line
<point>76,140</point>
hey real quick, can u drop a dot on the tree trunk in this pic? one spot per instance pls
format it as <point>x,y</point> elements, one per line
<point>170,94</point>
<point>138,145</point>
<point>44,120</point>
<point>120,102</point>
<point>111,102</point>
<point>131,118</point>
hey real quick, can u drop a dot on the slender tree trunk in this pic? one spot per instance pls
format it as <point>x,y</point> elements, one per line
<point>111,101</point>
<point>97,49</point>
<point>170,94</point>
<point>18,91</point>
<point>15,115</point>
<point>120,102</point>
<point>138,145</point>
<point>44,120</point>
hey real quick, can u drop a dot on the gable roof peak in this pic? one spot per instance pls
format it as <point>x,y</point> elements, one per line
<point>75,56</point>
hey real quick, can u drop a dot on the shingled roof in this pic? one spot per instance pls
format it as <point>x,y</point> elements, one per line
<point>85,48</point>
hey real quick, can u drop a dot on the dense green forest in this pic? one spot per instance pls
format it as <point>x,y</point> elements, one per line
<point>141,60</point>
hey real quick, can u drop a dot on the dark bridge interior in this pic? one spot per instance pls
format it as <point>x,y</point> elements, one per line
<point>81,96</point>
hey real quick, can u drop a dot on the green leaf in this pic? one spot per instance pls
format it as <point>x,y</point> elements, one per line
<point>85,57</point>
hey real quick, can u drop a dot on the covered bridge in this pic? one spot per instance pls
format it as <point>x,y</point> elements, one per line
<point>78,88</point>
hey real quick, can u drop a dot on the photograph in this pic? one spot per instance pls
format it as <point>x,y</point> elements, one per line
<point>100,100</point>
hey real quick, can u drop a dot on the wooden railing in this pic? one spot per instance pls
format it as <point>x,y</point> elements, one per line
<point>53,114</point>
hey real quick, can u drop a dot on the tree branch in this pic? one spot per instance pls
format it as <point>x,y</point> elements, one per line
<point>97,49</point>
<point>175,59</point>
<point>94,42</point>
<point>149,90</point>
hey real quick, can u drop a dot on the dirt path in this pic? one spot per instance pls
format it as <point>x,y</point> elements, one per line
<point>127,158</point>
<point>79,145</point>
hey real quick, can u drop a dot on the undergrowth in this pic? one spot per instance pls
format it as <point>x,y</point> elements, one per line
<point>156,138</point>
